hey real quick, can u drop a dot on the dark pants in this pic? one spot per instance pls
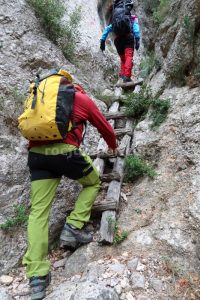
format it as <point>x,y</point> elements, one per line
<point>72,165</point>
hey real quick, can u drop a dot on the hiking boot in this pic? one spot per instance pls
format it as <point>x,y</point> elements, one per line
<point>69,233</point>
<point>68,239</point>
<point>126,79</point>
<point>38,286</point>
<point>120,80</point>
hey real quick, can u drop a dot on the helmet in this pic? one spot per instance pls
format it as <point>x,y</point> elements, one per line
<point>117,2</point>
<point>129,4</point>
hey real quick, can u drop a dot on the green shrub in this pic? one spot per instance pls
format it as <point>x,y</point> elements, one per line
<point>196,71</point>
<point>50,14</point>
<point>197,75</point>
<point>147,64</point>
<point>19,218</point>
<point>138,211</point>
<point>189,27</point>
<point>177,74</point>
<point>159,111</point>
<point>138,104</point>
<point>150,5</point>
<point>119,235</point>
<point>71,34</point>
<point>136,167</point>
<point>161,11</point>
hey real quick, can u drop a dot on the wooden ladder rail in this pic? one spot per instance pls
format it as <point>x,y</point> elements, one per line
<point>110,204</point>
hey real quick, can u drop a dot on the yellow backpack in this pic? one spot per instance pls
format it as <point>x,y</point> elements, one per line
<point>48,107</point>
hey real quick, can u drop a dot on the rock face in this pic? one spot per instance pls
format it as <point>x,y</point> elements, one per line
<point>168,203</point>
<point>161,215</point>
<point>177,45</point>
<point>4,295</point>
<point>84,291</point>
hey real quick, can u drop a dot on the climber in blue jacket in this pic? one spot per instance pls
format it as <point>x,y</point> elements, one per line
<point>127,36</point>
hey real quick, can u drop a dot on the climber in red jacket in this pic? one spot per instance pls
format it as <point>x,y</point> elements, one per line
<point>48,162</point>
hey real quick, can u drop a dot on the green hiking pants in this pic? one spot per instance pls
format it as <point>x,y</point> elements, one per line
<point>47,164</point>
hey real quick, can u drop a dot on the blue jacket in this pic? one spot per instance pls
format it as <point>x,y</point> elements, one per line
<point>135,29</point>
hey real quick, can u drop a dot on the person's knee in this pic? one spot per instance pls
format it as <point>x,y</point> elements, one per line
<point>92,179</point>
<point>39,212</point>
<point>95,181</point>
<point>97,184</point>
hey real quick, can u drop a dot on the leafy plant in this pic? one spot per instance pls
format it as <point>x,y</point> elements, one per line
<point>71,33</point>
<point>161,11</point>
<point>177,73</point>
<point>147,64</point>
<point>111,224</point>
<point>196,72</point>
<point>159,111</point>
<point>51,13</point>
<point>136,167</point>
<point>138,211</point>
<point>189,28</point>
<point>19,218</point>
<point>137,104</point>
<point>119,235</point>
<point>150,5</point>
<point>197,75</point>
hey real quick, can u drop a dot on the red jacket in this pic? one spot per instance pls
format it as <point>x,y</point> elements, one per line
<point>85,110</point>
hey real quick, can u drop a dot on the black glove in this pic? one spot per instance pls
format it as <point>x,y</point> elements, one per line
<point>137,43</point>
<point>102,45</point>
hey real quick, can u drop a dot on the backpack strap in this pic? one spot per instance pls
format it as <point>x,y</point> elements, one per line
<point>78,140</point>
<point>66,92</point>
<point>47,74</point>
<point>37,81</point>
<point>79,88</point>
<point>39,78</point>
<point>84,133</point>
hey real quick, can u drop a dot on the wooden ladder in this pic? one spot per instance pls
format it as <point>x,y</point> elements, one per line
<point>107,201</point>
